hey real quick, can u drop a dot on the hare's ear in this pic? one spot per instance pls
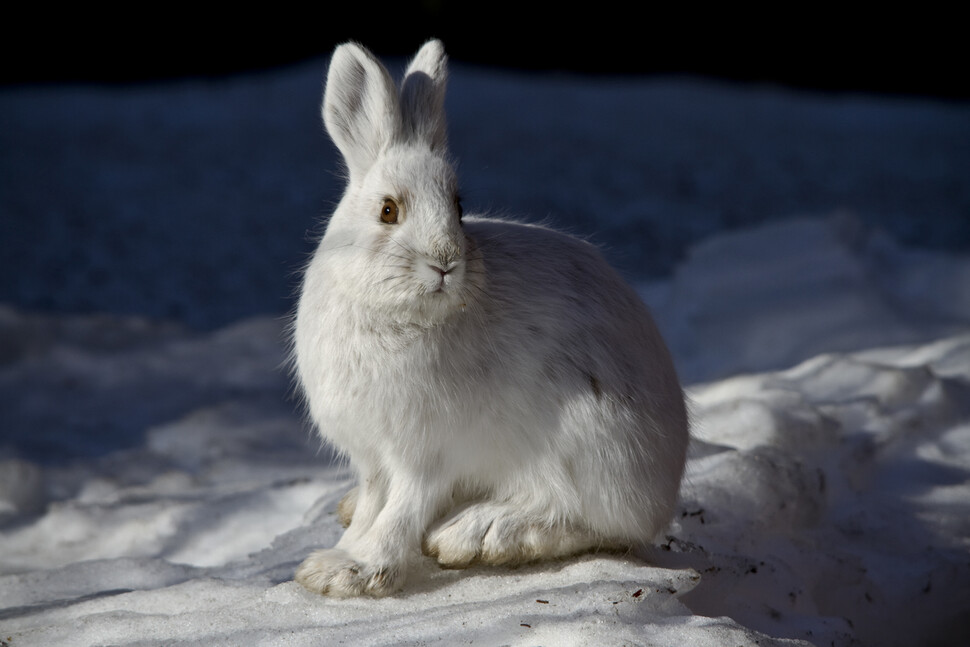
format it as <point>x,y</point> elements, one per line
<point>423,95</point>
<point>360,107</point>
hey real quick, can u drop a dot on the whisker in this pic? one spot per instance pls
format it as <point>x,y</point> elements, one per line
<point>372,250</point>
<point>406,248</point>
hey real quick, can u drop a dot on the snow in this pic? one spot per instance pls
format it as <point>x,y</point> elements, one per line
<point>158,485</point>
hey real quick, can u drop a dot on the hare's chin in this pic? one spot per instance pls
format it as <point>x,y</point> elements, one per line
<point>437,306</point>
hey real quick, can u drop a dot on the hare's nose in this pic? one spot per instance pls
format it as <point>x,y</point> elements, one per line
<point>443,270</point>
<point>445,255</point>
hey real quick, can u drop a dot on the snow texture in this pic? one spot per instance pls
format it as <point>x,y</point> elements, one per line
<point>159,486</point>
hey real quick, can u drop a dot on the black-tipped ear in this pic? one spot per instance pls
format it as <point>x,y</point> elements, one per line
<point>360,107</point>
<point>423,95</point>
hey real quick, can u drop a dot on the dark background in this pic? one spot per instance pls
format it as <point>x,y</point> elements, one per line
<point>835,48</point>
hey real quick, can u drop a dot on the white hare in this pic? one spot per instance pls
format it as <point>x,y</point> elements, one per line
<point>503,395</point>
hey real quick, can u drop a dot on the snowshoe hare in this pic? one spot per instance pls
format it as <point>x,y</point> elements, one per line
<point>503,395</point>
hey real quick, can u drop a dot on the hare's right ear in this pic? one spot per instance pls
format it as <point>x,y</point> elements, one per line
<point>423,96</point>
<point>360,107</point>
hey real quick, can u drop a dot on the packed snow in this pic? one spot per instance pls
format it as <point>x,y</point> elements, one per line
<point>159,485</point>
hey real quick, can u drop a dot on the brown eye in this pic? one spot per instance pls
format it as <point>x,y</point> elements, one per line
<point>389,211</point>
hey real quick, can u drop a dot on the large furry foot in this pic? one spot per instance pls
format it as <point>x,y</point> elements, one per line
<point>335,573</point>
<point>497,534</point>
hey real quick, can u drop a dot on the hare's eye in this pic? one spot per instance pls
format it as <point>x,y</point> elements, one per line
<point>389,211</point>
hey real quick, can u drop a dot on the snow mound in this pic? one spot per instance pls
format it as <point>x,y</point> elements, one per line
<point>769,297</point>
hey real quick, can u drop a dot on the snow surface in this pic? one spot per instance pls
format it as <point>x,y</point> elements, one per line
<point>157,484</point>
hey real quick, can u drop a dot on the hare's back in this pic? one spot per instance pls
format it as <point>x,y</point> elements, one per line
<point>550,291</point>
<point>529,267</point>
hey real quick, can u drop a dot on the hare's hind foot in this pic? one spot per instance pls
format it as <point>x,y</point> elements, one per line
<point>501,534</point>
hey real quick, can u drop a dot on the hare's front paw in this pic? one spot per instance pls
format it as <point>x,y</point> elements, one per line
<point>334,572</point>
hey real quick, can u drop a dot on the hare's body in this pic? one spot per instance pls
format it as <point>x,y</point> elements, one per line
<point>502,393</point>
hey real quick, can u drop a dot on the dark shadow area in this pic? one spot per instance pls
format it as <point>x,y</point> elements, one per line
<point>818,47</point>
<point>84,387</point>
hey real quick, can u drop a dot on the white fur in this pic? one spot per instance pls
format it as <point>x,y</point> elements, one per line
<point>516,403</point>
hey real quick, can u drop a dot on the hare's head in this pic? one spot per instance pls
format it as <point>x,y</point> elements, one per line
<point>397,232</point>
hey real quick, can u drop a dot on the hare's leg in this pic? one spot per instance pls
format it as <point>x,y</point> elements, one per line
<point>372,558</point>
<point>358,509</point>
<point>347,506</point>
<point>504,533</point>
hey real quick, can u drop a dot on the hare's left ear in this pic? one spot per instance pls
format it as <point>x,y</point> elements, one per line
<point>423,95</point>
<point>360,108</point>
